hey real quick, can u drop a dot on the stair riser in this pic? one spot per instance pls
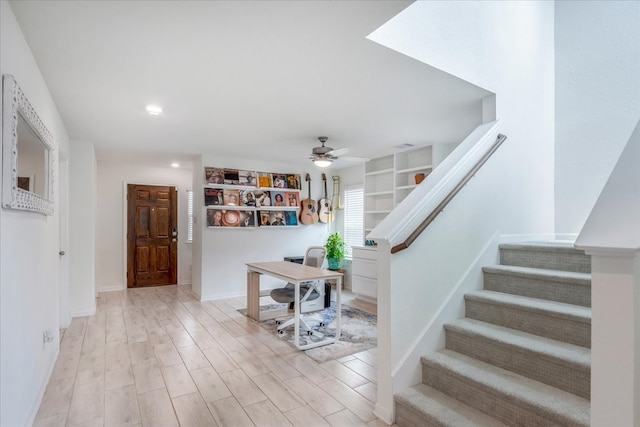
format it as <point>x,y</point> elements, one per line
<point>562,374</point>
<point>533,322</point>
<point>569,293</point>
<point>407,416</point>
<point>550,260</point>
<point>498,404</point>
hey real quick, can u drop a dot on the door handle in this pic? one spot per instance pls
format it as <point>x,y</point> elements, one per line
<point>61,253</point>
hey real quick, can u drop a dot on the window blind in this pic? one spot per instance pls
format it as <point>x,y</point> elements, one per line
<point>189,216</point>
<point>353,218</point>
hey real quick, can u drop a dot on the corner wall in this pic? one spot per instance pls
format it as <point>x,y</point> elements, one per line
<point>29,260</point>
<point>82,229</point>
<point>597,100</point>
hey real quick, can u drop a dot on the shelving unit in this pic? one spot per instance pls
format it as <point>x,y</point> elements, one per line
<point>389,179</point>
<point>242,206</point>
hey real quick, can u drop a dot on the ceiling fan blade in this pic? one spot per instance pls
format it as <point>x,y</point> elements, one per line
<point>354,159</point>
<point>338,151</point>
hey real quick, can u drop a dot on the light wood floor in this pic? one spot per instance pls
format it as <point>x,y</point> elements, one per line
<point>159,357</point>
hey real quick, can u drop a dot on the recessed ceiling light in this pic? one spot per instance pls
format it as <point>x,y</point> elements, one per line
<point>175,165</point>
<point>154,110</point>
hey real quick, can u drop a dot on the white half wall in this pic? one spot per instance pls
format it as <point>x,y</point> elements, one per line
<point>111,213</point>
<point>29,261</point>
<point>597,100</point>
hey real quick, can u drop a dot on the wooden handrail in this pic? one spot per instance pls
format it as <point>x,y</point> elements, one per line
<point>429,219</point>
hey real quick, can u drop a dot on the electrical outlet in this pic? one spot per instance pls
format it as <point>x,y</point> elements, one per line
<point>47,336</point>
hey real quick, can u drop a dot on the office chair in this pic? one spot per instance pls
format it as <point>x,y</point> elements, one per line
<point>311,293</point>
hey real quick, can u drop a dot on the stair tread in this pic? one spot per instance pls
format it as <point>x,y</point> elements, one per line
<point>540,273</point>
<point>503,382</point>
<point>511,337</point>
<point>557,309</point>
<point>445,409</point>
<point>557,246</point>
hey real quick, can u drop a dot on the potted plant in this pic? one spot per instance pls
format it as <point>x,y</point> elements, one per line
<point>335,250</point>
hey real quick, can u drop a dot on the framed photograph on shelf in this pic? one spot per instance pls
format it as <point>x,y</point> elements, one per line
<point>293,181</point>
<point>292,198</point>
<point>230,218</point>
<point>263,219</point>
<point>231,197</point>
<point>264,180</point>
<point>279,180</point>
<point>291,218</point>
<point>276,218</point>
<point>247,219</point>
<point>277,198</point>
<point>247,178</point>
<point>213,197</point>
<point>263,198</point>
<point>213,175</point>
<point>214,217</point>
<point>248,198</point>
<point>231,177</point>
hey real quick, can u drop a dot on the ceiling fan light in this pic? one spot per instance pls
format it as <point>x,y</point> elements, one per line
<point>322,162</point>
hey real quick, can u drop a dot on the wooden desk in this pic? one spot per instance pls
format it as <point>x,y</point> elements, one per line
<point>296,274</point>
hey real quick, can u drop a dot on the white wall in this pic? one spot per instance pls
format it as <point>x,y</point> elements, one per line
<point>507,48</point>
<point>597,99</point>
<point>111,213</point>
<point>219,255</point>
<point>29,261</point>
<point>82,230</point>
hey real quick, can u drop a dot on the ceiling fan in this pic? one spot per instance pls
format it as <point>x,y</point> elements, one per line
<point>324,156</point>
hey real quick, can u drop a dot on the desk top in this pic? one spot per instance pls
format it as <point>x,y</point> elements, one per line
<point>291,271</point>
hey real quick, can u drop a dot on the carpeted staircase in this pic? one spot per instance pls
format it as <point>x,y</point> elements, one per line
<point>521,356</point>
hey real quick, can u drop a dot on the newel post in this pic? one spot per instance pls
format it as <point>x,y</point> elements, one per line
<point>615,338</point>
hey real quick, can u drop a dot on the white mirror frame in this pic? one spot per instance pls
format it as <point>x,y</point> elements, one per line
<point>15,103</point>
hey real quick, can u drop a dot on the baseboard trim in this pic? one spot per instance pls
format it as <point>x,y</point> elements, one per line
<point>219,297</point>
<point>33,411</point>
<point>518,238</point>
<point>383,415</point>
<point>567,236</point>
<point>87,312</point>
<point>111,289</point>
<point>83,313</point>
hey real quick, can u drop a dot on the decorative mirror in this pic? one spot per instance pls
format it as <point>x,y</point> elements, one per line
<point>28,154</point>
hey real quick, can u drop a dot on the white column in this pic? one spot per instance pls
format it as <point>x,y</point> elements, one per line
<point>384,408</point>
<point>615,338</point>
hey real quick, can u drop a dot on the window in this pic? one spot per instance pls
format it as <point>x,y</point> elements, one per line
<point>189,216</point>
<point>353,218</point>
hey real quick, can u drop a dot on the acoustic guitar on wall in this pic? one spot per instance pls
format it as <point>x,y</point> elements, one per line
<point>309,212</point>
<point>324,204</point>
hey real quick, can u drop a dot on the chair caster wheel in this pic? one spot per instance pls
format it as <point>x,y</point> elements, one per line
<point>278,322</point>
<point>321,324</point>
<point>309,332</point>
<point>280,332</point>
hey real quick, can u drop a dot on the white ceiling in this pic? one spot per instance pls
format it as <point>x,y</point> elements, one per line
<point>258,79</point>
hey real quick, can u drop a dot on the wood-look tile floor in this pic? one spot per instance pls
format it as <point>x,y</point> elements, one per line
<point>159,357</point>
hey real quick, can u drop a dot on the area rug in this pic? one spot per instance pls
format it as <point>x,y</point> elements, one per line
<point>359,332</point>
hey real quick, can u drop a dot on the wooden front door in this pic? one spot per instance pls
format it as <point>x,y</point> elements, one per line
<point>152,235</point>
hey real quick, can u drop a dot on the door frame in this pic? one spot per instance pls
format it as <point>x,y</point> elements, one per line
<point>125,228</point>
